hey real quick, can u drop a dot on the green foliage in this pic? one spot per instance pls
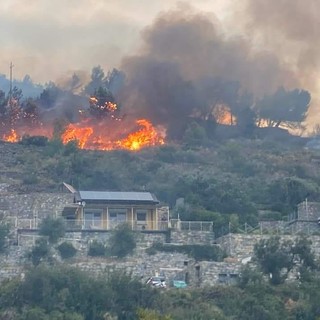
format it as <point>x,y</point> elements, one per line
<point>249,277</point>
<point>277,259</point>
<point>197,252</point>
<point>122,241</point>
<point>70,148</point>
<point>53,147</point>
<point>34,313</point>
<point>40,252</point>
<point>67,250</point>
<point>30,179</point>
<point>64,293</point>
<point>288,192</point>
<point>39,141</point>
<point>97,249</point>
<point>52,228</point>
<point>144,314</point>
<point>4,232</point>
<point>195,135</point>
<point>273,258</point>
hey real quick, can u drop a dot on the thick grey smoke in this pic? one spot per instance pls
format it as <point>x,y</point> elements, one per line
<point>292,25</point>
<point>180,50</point>
<point>290,29</point>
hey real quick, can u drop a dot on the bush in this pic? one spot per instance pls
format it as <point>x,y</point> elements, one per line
<point>30,179</point>
<point>52,228</point>
<point>39,141</point>
<point>122,241</point>
<point>67,250</point>
<point>97,249</point>
<point>39,252</point>
<point>4,232</point>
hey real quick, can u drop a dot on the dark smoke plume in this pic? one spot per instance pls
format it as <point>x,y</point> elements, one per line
<point>290,29</point>
<point>180,50</point>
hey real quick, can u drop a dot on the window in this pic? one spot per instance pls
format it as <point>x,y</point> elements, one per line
<point>141,216</point>
<point>92,218</point>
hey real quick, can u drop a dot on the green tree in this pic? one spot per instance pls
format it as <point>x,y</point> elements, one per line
<point>288,192</point>
<point>277,259</point>
<point>273,258</point>
<point>40,252</point>
<point>122,241</point>
<point>4,233</point>
<point>52,228</point>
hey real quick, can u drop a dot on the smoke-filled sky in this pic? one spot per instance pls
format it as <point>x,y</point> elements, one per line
<point>261,43</point>
<point>47,39</point>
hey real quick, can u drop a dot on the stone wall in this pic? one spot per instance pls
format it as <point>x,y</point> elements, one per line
<point>175,266</point>
<point>29,206</point>
<point>241,246</point>
<point>192,237</point>
<point>308,210</point>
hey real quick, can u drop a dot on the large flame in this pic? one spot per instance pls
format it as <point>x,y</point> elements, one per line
<point>88,137</point>
<point>101,127</point>
<point>73,132</point>
<point>11,137</point>
<point>146,136</point>
<point>224,116</point>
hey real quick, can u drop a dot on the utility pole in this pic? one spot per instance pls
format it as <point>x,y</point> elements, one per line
<point>10,90</point>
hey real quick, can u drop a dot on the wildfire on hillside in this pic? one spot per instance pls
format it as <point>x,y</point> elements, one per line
<point>94,132</point>
<point>94,138</point>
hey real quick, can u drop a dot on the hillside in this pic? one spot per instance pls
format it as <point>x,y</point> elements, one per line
<point>246,178</point>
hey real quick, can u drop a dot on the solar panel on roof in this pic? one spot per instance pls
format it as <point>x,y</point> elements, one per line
<point>117,196</point>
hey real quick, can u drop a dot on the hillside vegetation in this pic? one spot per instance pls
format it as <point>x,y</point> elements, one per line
<point>238,179</point>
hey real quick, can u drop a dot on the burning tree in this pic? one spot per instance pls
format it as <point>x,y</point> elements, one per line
<point>103,104</point>
<point>284,107</point>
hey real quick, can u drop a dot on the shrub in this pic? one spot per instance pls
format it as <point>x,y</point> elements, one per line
<point>67,250</point>
<point>4,232</point>
<point>97,249</point>
<point>39,252</point>
<point>52,228</point>
<point>39,141</point>
<point>30,178</point>
<point>122,241</point>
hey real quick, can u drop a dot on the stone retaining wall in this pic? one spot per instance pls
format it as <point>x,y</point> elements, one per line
<point>175,266</point>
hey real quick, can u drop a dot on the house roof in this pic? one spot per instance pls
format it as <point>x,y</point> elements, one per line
<point>70,187</point>
<point>117,197</point>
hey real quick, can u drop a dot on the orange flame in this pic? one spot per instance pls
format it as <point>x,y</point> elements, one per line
<point>79,134</point>
<point>87,137</point>
<point>224,116</point>
<point>11,137</point>
<point>146,136</point>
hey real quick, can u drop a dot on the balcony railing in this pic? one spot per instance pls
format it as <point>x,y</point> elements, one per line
<point>100,224</point>
<point>178,224</point>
